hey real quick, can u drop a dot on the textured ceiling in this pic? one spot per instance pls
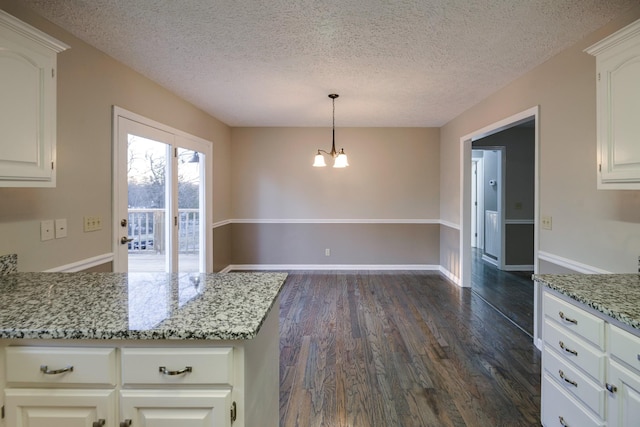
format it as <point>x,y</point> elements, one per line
<point>273,62</point>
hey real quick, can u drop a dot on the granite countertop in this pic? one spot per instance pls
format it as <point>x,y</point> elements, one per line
<point>615,295</point>
<point>184,306</point>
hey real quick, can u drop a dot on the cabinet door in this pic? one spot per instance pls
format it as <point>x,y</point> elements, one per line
<point>27,104</point>
<point>59,408</point>
<point>618,99</point>
<point>624,403</point>
<point>169,408</point>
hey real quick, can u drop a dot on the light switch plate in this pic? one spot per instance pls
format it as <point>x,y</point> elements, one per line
<point>92,223</point>
<point>46,229</point>
<point>61,228</point>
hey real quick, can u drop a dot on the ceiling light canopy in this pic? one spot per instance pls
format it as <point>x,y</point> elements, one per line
<point>339,156</point>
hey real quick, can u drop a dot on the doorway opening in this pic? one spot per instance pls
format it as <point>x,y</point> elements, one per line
<point>514,237</point>
<point>161,208</point>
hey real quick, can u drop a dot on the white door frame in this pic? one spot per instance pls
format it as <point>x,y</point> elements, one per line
<point>479,199</point>
<point>465,201</point>
<point>120,185</point>
<point>465,187</point>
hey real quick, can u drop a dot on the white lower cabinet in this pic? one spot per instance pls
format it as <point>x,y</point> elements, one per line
<point>59,408</point>
<point>177,371</point>
<point>587,380</point>
<point>157,387</point>
<point>561,409</point>
<point>185,408</point>
<point>623,380</point>
<point>624,400</point>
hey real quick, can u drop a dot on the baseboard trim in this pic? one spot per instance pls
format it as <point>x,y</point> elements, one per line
<point>516,267</point>
<point>449,275</point>
<point>576,266</point>
<point>333,221</point>
<point>490,260</point>
<point>281,267</point>
<point>82,264</point>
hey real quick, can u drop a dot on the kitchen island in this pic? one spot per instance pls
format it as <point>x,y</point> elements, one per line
<point>118,349</point>
<point>591,349</point>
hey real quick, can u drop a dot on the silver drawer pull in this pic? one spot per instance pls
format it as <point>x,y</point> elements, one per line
<point>611,388</point>
<point>573,383</point>
<point>125,423</point>
<point>567,319</point>
<point>99,423</point>
<point>164,371</point>
<point>45,370</point>
<point>563,423</point>
<point>568,350</point>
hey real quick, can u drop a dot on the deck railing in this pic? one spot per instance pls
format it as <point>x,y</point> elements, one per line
<point>147,230</point>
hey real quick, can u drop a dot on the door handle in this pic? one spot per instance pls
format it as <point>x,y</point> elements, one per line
<point>124,240</point>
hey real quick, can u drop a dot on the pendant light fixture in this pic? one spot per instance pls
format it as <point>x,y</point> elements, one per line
<point>339,156</point>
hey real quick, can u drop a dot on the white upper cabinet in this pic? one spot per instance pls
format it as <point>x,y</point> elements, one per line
<point>27,104</point>
<point>618,114</point>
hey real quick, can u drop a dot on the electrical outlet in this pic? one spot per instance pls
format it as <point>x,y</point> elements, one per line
<point>92,223</point>
<point>327,252</point>
<point>46,230</point>
<point>546,222</point>
<point>61,228</point>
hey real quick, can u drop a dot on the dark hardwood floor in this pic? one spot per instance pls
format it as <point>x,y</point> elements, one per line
<point>509,292</point>
<point>400,349</point>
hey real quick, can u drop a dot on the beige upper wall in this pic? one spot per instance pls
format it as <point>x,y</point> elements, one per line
<point>393,174</point>
<point>597,228</point>
<point>89,83</point>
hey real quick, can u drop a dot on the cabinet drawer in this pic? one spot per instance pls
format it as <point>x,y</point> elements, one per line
<point>90,365</point>
<point>575,319</point>
<point>625,347</point>
<point>560,409</point>
<point>573,381</point>
<point>574,350</point>
<point>177,366</point>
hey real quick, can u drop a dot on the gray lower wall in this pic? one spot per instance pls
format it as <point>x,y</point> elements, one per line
<point>358,244</point>
<point>546,267</point>
<point>221,247</point>
<point>519,244</point>
<point>450,250</point>
<point>107,267</point>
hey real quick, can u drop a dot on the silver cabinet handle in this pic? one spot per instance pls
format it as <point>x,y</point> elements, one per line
<point>45,370</point>
<point>567,319</point>
<point>567,349</point>
<point>563,423</point>
<point>611,388</point>
<point>99,423</point>
<point>164,371</point>
<point>573,383</point>
<point>125,423</point>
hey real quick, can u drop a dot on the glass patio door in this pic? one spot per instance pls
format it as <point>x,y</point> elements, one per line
<point>160,219</point>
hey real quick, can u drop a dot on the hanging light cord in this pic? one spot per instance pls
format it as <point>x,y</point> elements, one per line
<point>333,143</point>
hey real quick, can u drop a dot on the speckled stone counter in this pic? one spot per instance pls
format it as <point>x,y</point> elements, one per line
<point>139,306</point>
<point>8,264</point>
<point>614,295</point>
